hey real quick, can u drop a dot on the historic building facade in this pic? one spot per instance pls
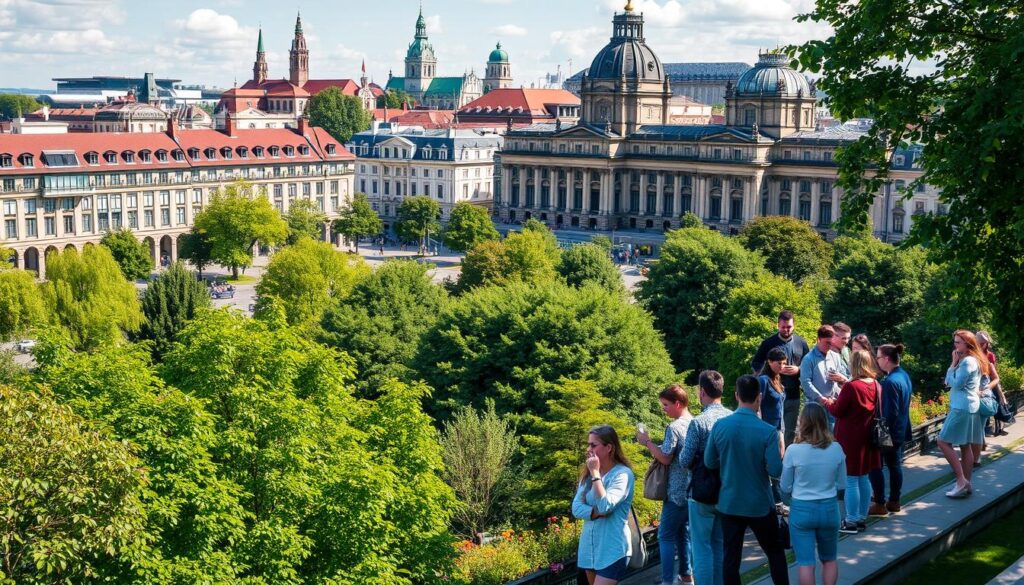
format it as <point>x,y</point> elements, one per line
<point>60,191</point>
<point>625,166</point>
<point>448,165</point>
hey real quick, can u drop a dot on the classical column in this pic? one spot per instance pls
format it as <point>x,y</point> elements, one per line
<point>750,198</point>
<point>815,202</point>
<point>659,206</point>
<point>627,177</point>
<point>174,248</point>
<point>698,193</point>
<point>643,192</point>
<point>677,195</point>
<point>536,187</point>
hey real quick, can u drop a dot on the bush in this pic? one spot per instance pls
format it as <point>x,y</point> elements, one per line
<point>922,410</point>
<point>515,555</point>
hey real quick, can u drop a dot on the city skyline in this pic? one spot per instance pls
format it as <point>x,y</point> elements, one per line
<point>214,43</point>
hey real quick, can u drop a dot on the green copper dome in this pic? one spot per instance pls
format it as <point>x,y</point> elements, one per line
<point>498,55</point>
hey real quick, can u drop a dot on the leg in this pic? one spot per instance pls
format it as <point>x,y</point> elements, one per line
<point>802,523</point>
<point>864,486</point>
<point>702,523</point>
<point>967,458</point>
<point>827,535</point>
<point>852,498</point>
<point>806,574</point>
<point>683,548</point>
<point>829,572</point>
<point>894,462</point>
<point>877,479</point>
<point>733,530</point>
<point>766,530</point>
<point>718,549</point>
<point>668,539</point>
<point>591,576</point>
<point>954,462</point>
<point>790,412</point>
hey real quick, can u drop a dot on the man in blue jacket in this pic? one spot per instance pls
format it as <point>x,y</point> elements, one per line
<point>896,392</point>
<point>747,452</point>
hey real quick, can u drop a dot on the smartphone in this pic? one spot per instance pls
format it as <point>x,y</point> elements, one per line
<point>640,428</point>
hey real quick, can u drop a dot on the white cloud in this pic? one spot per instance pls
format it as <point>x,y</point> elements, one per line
<point>509,30</point>
<point>576,43</point>
<point>57,15</point>
<point>434,24</point>
<point>208,24</point>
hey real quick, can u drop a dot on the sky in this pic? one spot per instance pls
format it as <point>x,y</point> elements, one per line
<point>213,42</point>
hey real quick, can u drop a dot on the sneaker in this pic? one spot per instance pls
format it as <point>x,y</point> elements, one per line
<point>848,528</point>
<point>892,506</point>
<point>862,526</point>
<point>877,509</point>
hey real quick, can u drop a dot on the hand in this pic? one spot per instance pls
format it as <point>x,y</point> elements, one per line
<point>837,377</point>
<point>643,438</point>
<point>790,370</point>
<point>593,463</point>
<point>956,358</point>
<point>594,515</point>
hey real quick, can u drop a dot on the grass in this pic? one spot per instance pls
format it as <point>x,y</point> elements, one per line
<point>242,279</point>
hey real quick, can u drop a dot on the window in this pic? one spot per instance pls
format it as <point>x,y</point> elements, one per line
<point>165,198</point>
<point>292,189</point>
<point>92,158</point>
<point>110,157</point>
<point>27,160</point>
<point>87,224</point>
<point>147,216</point>
<point>179,197</point>
<point>6,160</point>
<point>67,203</point>
<point>807,155</point>
<point>11,229</point>
<point>144,156</point>
<point>104,223</point>
<point>133,219</point>
<point>181,216</point>
<point>10,207</point>
<point>86,204</point>
<point>165,216</point>
<point>716,153</point>
<point>49,205</point>
<point>737,154</point>
<point>30,206</point>
<point>897,223</point>
<point>306,190</point>
<point>128,156</point>
<point>69,224</point>
<point>289,150</point>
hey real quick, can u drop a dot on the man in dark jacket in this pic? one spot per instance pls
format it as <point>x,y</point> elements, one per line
<point>896,392</point>
<point>796,348</point>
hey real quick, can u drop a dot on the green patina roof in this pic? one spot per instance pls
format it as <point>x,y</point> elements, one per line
<point>445,86</point>
<point>397,83</point>
<point>259,46</point>
<point>498,55</point>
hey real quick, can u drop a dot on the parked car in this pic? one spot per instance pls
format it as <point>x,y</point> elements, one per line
<point>26,345</point>
<point>222,293</point>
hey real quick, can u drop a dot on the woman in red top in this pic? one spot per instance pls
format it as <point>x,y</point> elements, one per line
<point>854,410</point>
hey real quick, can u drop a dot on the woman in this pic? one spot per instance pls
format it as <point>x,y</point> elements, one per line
<point>861,342</point>
<point>813,471</point>
<point>603,501</point>
<point>772,397</point>
<point>673,536</point>
<point>854,411</point>
<point>963,425</point>
<point>985,343</point>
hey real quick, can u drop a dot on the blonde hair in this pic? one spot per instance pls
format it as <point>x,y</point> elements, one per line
<point>862,365</point>
<point>812,427</point>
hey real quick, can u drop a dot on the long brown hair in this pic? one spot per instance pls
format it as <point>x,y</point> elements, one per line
<point>774,355</point>
<point>607,435</point>
<point>973,349</point>
<point>812,427</point>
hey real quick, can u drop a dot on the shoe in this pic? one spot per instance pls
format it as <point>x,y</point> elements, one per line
<point>877,509</point>
<point>848,528</point>
<point>958,492</point>
<point>862,526</point>
<point>1002,433</point>
<point>892,506</point>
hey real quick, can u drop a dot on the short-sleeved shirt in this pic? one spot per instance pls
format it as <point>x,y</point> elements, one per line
<point>678,476</point>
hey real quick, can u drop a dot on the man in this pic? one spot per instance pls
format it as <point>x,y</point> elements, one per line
<point>841,346</point>
<point>748,453</point>
<point>896,392</point>
<point>820,370</point>
<point>705,525</point>
<point>795,348</point>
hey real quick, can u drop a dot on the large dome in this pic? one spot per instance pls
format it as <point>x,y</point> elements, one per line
<point>627,55</point>
<point>773,76</point>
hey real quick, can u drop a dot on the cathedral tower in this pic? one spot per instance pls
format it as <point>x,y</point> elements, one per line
<point>298,57</point>
<point>259,68</point>
<point>499,72</point>
<point>420,62</point>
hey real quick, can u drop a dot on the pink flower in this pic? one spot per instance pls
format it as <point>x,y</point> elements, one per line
<point>556,567</point>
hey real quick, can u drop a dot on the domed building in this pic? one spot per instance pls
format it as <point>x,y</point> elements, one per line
<point>129,115</point>
<point>192,117</point>
<point>499,72</point>
<point>772,96</point>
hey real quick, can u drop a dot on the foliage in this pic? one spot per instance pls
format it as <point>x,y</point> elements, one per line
<point>305,276</point>
<point>925,409</point>
<point>235,220</point>
<point>878,288</point>
<point>514,343</point>
<point>477,449</point>
<point>514,555</point>
<point>195,247</point>
<point>965,109</point>
<point>304,218</point>
<point>750,316</point>
<point>603,242</point>
<point>358,220</point>
<point>688,289</point>
<point>70,497</point>
<point>789,246</point>
<point>529,256</point>
<point>21,303</point>
<point>394,99</point>
<point>483,264</point>
<point>534,225</point>
<point>130,254</point>
<point>417,219</point>
<point>586,264</point>
<point>88,296</point>
<point>170,301</point>
<point>467,226</point>
<point>690,219</point>
<point>13,105</point>
<point>339,114</point>
<point>380,322</point>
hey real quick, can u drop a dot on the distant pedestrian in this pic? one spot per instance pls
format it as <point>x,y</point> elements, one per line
<point>796,348</point>
<point>813,472</point>
<point>896,392</point>
<point>854,411</point>
<point>994,385</point>
<point>748,453</point>
<point>963,425</point>
<point>603,501</point>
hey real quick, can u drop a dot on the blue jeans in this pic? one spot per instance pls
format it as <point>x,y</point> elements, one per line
<point>673,536</point>
<point>892,459</point>
<point>814,523</point>
<point>857,498</point>
<point>708,544</point>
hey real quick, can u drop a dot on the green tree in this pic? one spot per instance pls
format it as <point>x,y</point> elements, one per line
<point>237,219</point>
<point>417,219</point>
<point>304,218</point>
<point>878,288</point>
<point>130,254</point>
<point>380,322</point>
<point>589,264</point>
<point>171,301</point>
<point>6,255</point>
<point>534,225</point>
<point>13,105</point>
<point>482,264</point>
<point>304,277</point>
<point>687,291</point>
<point>961,110</point>
<point>395,99</point>
<point>358,220</point>
<point>69,497</point>
<point>196,248</point>
<point>88,296</point>
<point>339,114</point>
<point>467,226</point>
<point>603,242</point>
<point>789,246</point>
<point>690,219</point>
<point>527,256</point>
<point>21,303</point>
<point>749,316</point>
<point>513,343</point>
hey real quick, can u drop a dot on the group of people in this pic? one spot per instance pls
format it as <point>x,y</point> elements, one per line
<point>800,435</point>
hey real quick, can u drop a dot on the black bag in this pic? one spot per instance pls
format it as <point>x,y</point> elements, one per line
<point>880,436</point>
<point>784,539</point>
<point>705,484</point>
<point>1004,414</point>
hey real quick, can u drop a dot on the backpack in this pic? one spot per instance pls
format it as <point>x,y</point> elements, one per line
<point>705,484</point>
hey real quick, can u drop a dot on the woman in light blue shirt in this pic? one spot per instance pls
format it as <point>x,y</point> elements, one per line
<point>603,501</point>
<point>963,425</point>
<point>813,470</point>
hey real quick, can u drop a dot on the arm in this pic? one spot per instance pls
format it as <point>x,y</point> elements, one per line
<point>788,472</point>
<point>688,456</point>
<point>841,472</point>
<point>711,457</point>
<point>840,406</point>
<point>615,492</point>
<point>993,375</point>
<point>658,451</point>
<point>773,454</point>
<point>807,367</point>
<point>580,509</point>
<point>891,407</point>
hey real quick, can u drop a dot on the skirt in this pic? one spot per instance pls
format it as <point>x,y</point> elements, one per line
<point>963,428</point>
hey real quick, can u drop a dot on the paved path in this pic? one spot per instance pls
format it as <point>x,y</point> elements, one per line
<point>1013,574</point>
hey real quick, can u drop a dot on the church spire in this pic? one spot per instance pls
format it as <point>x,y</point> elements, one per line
<point>298,57</point>
<point>421,25</point>
<point>259,68</point>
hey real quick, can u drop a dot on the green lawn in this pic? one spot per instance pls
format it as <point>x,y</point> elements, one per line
<point>242,279</point>
<point>979,558</point>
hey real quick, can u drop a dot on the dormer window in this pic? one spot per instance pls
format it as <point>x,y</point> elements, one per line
<point>242,151</point>
<point>161,156</point>
<point>225,153</point>
<point>6,161</point>
<point>210,154</point>
<point>275,151</point>
<point>193,153</point>
<point>27,160</point>
<point>91,158</point>
<point>144,156</point>
<point>304,150</point>
<point>331,149</point>
<point>258,152</point>
<point>178,155</point>
<point>289,150</point>
<point>128,156</point>
<point>110,157</point>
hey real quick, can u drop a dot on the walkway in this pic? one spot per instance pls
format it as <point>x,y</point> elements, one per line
<point>1011,576</point>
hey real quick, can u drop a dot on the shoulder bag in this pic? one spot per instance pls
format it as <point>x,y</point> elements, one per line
<point>880,436</point>
<point>656,481</point>
<point>989,405</point>
<point>705,484</point>
<point>638,558</point>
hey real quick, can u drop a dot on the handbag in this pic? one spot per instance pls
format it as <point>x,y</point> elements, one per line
<point>656,481</point>
<point>705,484</point>
<point>638,558</point>
<point>1004,414</point>
<point>989,405</point>
<point>784,539</point>
<point>880,436</point>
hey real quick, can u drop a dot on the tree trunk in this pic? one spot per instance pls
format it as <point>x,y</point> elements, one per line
<point>234,271</point>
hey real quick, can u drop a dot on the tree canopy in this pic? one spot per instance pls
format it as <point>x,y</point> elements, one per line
<point>339,114</point>
<point>789,246</point>
<point>589,264</point>
<point>528,256</point>
<point>195,247</point>
<point>235,220</point>
<point>964,109</point>
<point>130,254</point>
<point>13,105</point>
<point>358,220</point>
<point>467,226</point>
<point>417,219</point>
<point>21,303</point>
<point>304,219</point>
<point>171,301</point>
<point>394,99</point>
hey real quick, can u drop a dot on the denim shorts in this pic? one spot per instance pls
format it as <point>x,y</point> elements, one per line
<point>814,523</point>
<point>614,571</point>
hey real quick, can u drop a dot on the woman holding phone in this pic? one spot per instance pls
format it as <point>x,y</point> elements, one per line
<point>963,425</point>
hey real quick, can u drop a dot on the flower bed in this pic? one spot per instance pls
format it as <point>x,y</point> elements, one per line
<point>515,554</point>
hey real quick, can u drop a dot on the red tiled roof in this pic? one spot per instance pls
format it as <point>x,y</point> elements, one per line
<point>283,87</point>
<point>347,86</point>
<point>61,114</point>
<point>532,101</point>
<point>424,118</point>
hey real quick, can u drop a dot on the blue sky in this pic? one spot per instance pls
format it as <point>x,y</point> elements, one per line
<point>213,42</point>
